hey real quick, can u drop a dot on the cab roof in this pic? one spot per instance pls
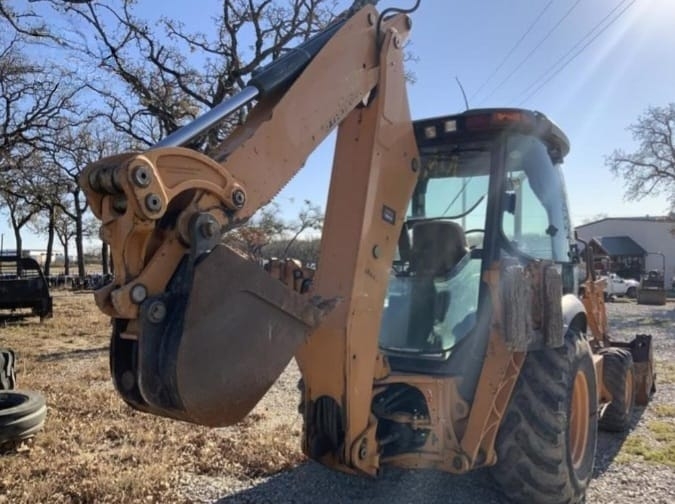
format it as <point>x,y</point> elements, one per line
<point>473,122</point>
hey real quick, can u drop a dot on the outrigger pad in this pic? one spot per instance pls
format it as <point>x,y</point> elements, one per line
<point>643,364</point>
<point>218,349</point>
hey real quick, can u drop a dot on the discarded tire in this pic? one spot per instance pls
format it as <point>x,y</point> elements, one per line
<point>619,379</point>
<point>22,414</point>
<point>547,441</point>
<point>7,375</point>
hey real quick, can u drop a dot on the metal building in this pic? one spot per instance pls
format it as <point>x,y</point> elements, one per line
<point>631,241</point>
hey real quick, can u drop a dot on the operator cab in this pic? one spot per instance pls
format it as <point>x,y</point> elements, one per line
<point>489,187</point>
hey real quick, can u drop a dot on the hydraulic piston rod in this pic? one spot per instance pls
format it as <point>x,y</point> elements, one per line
<point>274,76</point>
<point>209,119</point>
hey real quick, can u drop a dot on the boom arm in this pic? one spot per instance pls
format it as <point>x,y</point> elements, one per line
<point>200,334</point>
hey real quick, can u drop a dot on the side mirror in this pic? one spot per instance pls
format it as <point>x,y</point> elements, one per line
<point>510,202</point>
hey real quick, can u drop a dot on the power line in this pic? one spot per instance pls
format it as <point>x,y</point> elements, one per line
<point>590,32</point>
<point>539,44</point>
<point>522,37</point>
<point>578,52</point>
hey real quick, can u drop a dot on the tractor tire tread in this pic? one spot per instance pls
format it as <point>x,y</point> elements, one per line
<point>532,461</point>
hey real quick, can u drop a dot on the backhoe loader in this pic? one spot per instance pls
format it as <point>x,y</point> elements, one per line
<point>441,328</point>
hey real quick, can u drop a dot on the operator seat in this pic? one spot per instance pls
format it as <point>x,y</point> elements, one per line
<point>437,247</point>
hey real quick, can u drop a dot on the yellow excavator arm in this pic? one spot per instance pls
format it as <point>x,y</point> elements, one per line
<point>201,333</point>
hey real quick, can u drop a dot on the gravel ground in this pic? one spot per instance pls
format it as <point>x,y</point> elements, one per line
<point>618,478</point>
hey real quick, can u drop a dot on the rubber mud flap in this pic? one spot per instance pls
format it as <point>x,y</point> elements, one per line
<point>240,329</point>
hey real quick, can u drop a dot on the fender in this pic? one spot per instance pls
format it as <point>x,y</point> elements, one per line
<point>574,313</point>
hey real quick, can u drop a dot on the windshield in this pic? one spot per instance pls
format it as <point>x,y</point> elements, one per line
<point>433,293</point>
<point>454,187</point>
<point>537,222</point>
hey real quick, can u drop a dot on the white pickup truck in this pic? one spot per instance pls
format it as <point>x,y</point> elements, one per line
<point>620,287</point>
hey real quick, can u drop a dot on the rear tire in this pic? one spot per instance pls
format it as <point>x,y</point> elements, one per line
<point>631,292</point>
<point>619,380</point>
<point>22,414</point>
<point>546,444</point>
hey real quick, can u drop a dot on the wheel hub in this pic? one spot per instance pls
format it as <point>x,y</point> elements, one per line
<point>579,419</point>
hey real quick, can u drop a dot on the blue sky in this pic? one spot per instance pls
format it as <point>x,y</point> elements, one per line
<point>593,99</point>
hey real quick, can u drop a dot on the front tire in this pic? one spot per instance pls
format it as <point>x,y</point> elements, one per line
<point>546,444</point>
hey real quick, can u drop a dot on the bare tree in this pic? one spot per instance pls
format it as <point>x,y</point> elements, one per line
<point>154,60</point>
<point>33,98</point>
<point>309,218</point>
<point>650,169</point>
<point>81,145</point>
<point>291,239</point>
<point>304,250</point>
<point>263,229</point>
<point>20,208</point>
<point>45,188</point>
<point>26,23</point>
<point>65,231</point>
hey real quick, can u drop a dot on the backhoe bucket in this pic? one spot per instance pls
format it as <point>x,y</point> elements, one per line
<point>211,347</point>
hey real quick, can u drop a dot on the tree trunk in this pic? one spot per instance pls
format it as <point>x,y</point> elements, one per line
<point>79,235</point>
<point>66,259</point>
<point>50,240</point>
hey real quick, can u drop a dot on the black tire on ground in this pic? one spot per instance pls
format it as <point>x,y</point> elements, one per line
<point>7,374</point>
<point>619,379</point>
<point>22,414</point>
<point>546,444</point>
<point>631,292</point>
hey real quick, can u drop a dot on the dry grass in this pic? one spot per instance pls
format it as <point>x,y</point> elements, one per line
<point>656,446</point>
<point>94,448</point>
<point>665,371</point>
